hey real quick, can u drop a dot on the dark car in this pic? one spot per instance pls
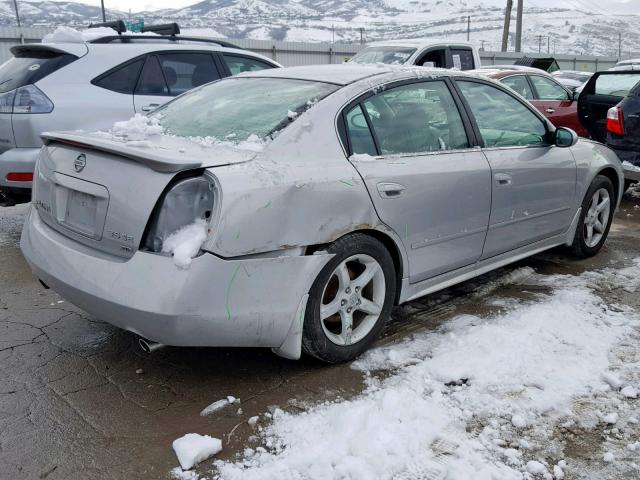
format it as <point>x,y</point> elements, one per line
<point>552,99</point>
<point>609,108</point>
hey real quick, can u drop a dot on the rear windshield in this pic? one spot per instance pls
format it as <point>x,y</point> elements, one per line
<point>27,67</point>
<point>238,108</point>
<point>388,55</point>
<point>618,85</point>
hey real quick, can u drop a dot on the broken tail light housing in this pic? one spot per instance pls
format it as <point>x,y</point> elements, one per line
<point>615,120</point>
<point>184,202</point>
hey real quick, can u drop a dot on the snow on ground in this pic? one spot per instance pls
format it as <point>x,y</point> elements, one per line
<point>192,449</point>
<point>480,398</point>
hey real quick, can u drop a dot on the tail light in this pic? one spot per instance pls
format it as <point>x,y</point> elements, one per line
<point>27,99</point>
<point>615,121</point>
<point>20,177</point>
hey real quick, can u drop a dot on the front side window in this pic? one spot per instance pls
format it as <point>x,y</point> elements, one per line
<point>502,120</point>
<point>184,71</point>
<point>519,84</point>
<point>388,55</point>
<point>236,109</point>
<point>416,118</point>
<point>548,89</point>
<point>238,64</point>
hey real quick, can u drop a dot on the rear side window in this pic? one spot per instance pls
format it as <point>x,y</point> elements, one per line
<point>184,71</point>
<point>122,79</point>
<point>152,81</point>
<point>548,89</point>
<point>462,59</point>
<point>27,67</point>
<point>416,118</point>
<point>238,64</point>
<point>519,84</point>
<point>359,133</point>
<point>502,120</point>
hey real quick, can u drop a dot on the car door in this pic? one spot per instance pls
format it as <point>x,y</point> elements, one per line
<point>556,103</point>
<point>603,91</point>
<point>168,74</point>
<point>426,180</point>
<point>534,183</point>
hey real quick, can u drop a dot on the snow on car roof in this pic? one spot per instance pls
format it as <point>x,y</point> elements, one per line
<point>346,73</point>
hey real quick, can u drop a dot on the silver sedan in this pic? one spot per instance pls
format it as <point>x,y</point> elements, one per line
<point>292,208</point>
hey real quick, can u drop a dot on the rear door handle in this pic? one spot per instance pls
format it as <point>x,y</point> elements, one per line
<point>550,110</point>
<point>502,179</point>
<point>391,190</point>
<point>150,107</point>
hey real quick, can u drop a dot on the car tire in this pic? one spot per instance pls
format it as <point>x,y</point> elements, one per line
<point>356,287</point>
<point>595,218</point>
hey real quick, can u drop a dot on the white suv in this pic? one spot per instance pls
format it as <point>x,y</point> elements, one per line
<point>89,85</point>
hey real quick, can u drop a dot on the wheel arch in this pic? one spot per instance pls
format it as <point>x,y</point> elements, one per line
<point>612,175</point>
<point>389,243</point>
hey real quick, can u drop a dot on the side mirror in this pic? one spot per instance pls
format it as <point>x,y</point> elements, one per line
<point>565,137</point>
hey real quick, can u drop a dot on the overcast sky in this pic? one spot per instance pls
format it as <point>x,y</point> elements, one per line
<point>612,6</point>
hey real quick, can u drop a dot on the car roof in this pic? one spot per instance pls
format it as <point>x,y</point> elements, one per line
<point>347,73</point>
<point>502,73</point>
<point>417,43</point>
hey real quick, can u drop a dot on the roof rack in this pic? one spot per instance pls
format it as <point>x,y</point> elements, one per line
<point>118,25</point>
<point>162,29</point>
<point>168,38</point>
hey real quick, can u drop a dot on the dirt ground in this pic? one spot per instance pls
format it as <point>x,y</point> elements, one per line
<point>79,400</point>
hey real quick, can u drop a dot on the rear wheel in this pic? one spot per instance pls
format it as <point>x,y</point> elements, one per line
<point>595,219</point>
<point>350,300</point>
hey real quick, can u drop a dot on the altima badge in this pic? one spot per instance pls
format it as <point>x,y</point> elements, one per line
<point>80,162</point>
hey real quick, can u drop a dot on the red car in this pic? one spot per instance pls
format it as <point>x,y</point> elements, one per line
<point>545,93</point>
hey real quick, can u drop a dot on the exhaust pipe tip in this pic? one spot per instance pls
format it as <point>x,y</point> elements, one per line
<point>147,346</point>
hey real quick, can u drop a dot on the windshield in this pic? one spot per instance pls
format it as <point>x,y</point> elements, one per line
<point>236,109</point>
<point>29,67</point>
<point>388,55</point>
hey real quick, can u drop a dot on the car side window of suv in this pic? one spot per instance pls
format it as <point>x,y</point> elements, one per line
<point>519,84</point>
<point>184,71</point>
<point>416,118</point>
<point>502,119</point>
<point>238,64</point>
<point>548,89</point>
<point>122,79</point>
<point>152,81</point>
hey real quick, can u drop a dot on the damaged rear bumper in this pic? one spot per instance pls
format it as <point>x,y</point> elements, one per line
<point>256,302</point>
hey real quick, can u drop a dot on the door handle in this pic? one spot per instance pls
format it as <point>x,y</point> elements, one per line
<point>550,110</point>
<point>150,107</point>
<point>502,179</point>
<point>391,190</point>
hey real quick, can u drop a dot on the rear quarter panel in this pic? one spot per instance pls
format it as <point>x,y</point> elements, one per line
<point>591,159</point>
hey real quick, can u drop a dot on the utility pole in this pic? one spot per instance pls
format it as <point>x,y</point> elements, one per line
<point>361,36</point>
<point>548,44</point>
<point>539,43</point>
<point>482,46</point>
<point>619,45</point>
<point>15,5</point>
<point>507,23</point>
<point>468,27</point>
<point>104,17</point>
<point>519,26</point>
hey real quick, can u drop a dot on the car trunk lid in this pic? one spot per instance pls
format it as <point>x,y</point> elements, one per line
<point>101,192</point>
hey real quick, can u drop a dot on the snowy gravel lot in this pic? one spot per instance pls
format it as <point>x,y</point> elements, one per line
<point>530,372</point>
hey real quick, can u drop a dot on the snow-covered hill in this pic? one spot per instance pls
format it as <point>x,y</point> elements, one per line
<point>563,30</point>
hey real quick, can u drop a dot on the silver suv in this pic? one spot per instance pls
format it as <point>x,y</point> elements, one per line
<point>89,85</point>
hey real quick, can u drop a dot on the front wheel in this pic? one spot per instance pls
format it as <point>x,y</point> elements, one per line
<point>350,300</point>
<point>595,219</point>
